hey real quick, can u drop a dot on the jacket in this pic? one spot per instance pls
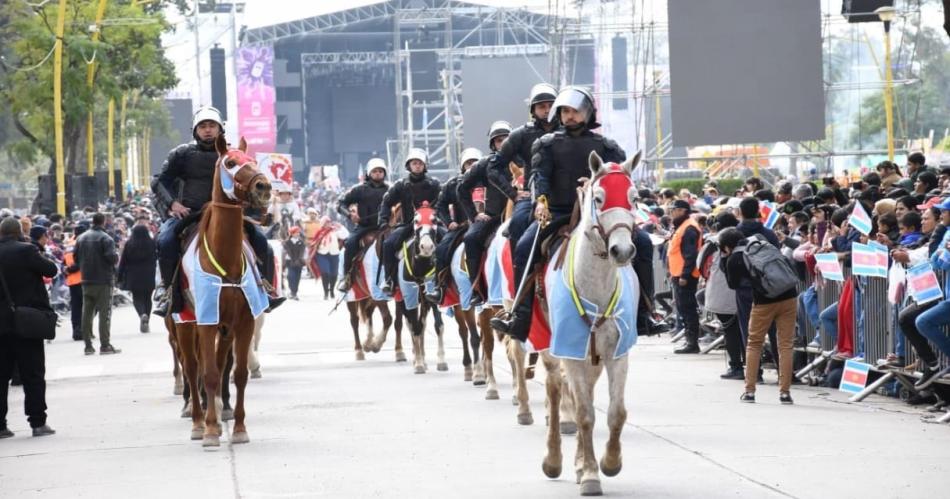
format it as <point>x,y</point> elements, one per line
<point>295,252</point>
<point>560,159</point>
<point>187,176</point>
<point>409,193</point>
<point>517,148</point>
<point>137,266</point>
<point>96,257</point>
<point>73,277</point>
<point>367,197</point>
<point>496,188</point>
<point>737,274</point>
<point>720,298</point>
<point>749,228</point>
<point>447,206</point>
<point>23,270</point>
<point>684,249</point>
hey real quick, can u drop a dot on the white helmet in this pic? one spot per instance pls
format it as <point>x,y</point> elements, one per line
<point>470,154</point>
<point>206,113</point>
<point>375,163</point>
<point>416,153</point>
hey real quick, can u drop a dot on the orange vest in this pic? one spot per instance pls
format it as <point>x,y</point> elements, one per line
<point>675,255</point>
<point>76,277</point>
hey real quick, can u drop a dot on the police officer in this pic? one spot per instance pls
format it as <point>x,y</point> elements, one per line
<point>410,193</point>
<point>482,224</point>
<point>182,189</point>
<point>558,161</point>
<point>451,214</point>
<point>367,197</point>
<point>518,149</point>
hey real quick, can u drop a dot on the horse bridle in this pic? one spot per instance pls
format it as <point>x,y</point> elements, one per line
<point>233,171</point>
<point>605,234</point>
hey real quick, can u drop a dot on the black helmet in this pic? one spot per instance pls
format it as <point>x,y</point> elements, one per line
<point>542,92</point>
<point>497,129</point>
<point>578,98</point>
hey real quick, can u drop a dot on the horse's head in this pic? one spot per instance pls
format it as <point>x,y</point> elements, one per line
<point>239,177</point>
<point>609,201</point>
<point>424,227</point>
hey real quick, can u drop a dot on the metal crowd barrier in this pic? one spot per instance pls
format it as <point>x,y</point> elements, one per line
<point>879,319</point>
<point>660,283</point>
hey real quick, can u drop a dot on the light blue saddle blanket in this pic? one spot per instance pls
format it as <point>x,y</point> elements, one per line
<point>204,289</point>
<point>570,334</point>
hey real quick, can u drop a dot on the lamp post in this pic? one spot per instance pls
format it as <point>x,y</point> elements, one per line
<point>886,14</point>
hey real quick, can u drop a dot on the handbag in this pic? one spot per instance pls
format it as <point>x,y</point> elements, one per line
<point>30,322</point>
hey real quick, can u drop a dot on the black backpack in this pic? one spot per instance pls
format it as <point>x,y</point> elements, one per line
<point>772,273</point>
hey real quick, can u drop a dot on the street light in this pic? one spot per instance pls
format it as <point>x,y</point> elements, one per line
<point>887,14</point>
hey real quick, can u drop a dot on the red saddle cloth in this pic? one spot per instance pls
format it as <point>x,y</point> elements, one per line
<point>540,332</point>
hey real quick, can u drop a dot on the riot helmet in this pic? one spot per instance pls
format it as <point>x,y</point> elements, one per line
<point>469,154</point>
<point>206,113</point>
<point>498,129</point>
<point>578,98</point>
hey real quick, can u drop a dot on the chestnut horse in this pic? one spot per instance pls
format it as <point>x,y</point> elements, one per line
<point>221,253</point>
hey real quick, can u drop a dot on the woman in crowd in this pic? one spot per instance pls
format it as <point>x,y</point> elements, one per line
<point>328,241</point>
<point>136,272</point>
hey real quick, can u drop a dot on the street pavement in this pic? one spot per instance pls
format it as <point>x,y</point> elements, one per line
<point>325,425</point>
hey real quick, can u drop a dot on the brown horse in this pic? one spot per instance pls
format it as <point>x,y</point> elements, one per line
<point>221,242</point>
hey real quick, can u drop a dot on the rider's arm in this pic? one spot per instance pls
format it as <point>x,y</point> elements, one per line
<point>389,199</point>
<point>542,167</point>
<point>164,184</point>
<point>499,176</point>
<point>613,153</point>
<point>446,197</point>
<point>351,197</point>
<point>469,182</point>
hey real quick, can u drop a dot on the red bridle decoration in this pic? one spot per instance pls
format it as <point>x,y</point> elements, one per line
<point>616,184</point>
<point>424,215</point>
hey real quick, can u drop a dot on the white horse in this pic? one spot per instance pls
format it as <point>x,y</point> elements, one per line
<point>593,324</point>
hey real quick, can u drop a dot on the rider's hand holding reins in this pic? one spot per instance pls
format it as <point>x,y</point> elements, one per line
<point>541,212</point>
<point>178,210</point>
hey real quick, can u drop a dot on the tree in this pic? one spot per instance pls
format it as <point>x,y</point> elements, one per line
<point>129,60</point>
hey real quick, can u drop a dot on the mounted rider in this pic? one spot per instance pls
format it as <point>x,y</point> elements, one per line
<point>451,215</point>
<point>518,149</point>
<point>181,190</point>
<point>409,192</point>
<point>559,160</point>
<point>367,197</point>
<point>482,225</point>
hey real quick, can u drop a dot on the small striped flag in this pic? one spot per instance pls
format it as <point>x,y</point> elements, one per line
<point>860,219</point>
<point>866,261</point>
<point>855,376</point>
<point>769,214</point>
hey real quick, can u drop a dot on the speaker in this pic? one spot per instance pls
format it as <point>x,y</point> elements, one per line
<point>219,88</point>
<point>83,192</point>
<point>102,185</point>
<point>862,11</point>
<point>46,197</point>
<point>618,46</point>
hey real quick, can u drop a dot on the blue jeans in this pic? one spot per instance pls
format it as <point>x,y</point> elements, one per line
<point>930,323</point>
<point>859,317</point>
<point>521,217</point>
<point>900,342</point>
<point>829,322</point>
<point>809,303</point>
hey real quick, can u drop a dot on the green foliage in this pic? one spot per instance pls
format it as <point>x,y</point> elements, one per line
<point>128,59</point>
<point>727,186</point>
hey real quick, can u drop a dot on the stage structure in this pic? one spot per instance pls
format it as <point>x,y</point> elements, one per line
<point>380,79</point>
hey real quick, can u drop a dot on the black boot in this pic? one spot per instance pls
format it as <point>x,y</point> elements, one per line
<point>163,301</point>
<point>689,347</point>
<point>517,325</point>
<point>435,296</point>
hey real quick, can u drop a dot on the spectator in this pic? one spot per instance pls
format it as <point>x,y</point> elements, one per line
<point>136,272</point>
<point>803,191</point>
<point>96,258</point>
<point>916,164</point>
<point>74,282</point>
<point>720,299</point>
<point>890,174</point>
<point>926,182</point>
<point>684,249</point>
<point>328,254</point>
<point>23,269</point>
<point>781,310</point>
<point>295,258</point>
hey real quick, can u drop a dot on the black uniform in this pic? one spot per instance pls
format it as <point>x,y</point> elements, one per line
<point>496,199</point>
<point>448,210</point>
<point>410,193</point>
<point>186,177</point>
<point>367,197</point>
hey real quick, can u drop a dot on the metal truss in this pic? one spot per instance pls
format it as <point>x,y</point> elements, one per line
<point>313,58</point>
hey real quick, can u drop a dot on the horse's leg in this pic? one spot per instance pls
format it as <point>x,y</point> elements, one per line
<point>516,356</point>
<point>463,334</point>
<point>581,377</point>
<point>612,461</point>
<point>442,365</point>
<point>243,336</point>
<point>488,349</point>
<point>354,308</point>
<point>418,357</point>
<point>397,325</point>
<point>568,410</point>
<point>368,317</point>
<point>176,362</point>
<point>387,323</point>
<point>551,465</point>
<point>207,337</point>
<point>188,343</point>
<point>475,339</point>
<point>225,359</point>
<point>253,362</point>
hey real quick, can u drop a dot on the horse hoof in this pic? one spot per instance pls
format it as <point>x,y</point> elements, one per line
<point>442,366</point>
<point>514,400</point>
<point>256,374</point>
<point>227,415</point>
<point>568,428</point>
<point>240,438</point>
<point>360,355</point>
<point>491,394</point>
<point>479,381</point>
<point>197,433</point>
<point>468,376</point>
<point>591,488</point>
<point>551,470</point>
<point>608,470</point>
<point>211,441</point>
<point>179,388</point>
<point>186,413</point>
<point>525,419</point>
<point>400,356</point>
<point>420,370</point>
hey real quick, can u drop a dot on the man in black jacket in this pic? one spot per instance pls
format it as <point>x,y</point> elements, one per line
<point>96,258</point>
<point>182,189</point>
<point>685,245</point>
<point>367,197</point>
<point>409,193</point>
<point>23,269</point>
<point>559,160</point>
<point>452,215</point>
<point>518,149</point>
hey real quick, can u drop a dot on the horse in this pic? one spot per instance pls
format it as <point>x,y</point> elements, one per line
<point>221,257</point>
<point>416,266</point>
<point>593,325</point>
<point>466,316</point>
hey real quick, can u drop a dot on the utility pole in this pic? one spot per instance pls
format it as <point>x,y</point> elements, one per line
<point>110,135</point>
<point>90,76</point>
<point>58,108</point>
<point>194,20</point>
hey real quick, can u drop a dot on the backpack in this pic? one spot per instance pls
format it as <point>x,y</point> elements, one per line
<point>772,273</point>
